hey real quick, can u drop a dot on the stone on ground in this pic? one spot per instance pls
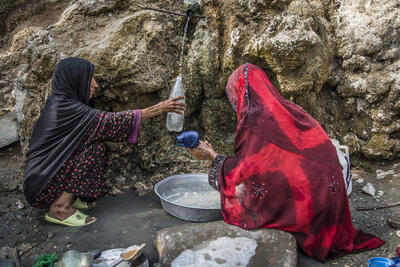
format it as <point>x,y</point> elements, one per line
<point>8,129</point>
<point>369,189</point>
<point>222,244</point>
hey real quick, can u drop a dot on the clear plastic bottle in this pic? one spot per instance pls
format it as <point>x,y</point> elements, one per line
<point>175,120</point>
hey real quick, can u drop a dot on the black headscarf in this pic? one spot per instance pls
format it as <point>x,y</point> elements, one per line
<point>61,125</point>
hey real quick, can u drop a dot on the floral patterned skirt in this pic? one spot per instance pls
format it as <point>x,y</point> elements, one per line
<point>82,175</point>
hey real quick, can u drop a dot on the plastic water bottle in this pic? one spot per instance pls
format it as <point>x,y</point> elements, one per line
<point>175,120</point>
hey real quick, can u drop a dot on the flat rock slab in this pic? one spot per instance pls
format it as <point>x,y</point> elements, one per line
<point>221,244</point>
<point>8,129</point>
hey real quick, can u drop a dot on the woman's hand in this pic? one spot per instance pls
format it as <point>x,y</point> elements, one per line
<point>204,151</point>
<point>172,105</point>
<point>169,105</point>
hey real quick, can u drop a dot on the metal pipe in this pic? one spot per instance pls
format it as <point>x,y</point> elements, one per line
<point>168,12</point>
<point>192,9</point>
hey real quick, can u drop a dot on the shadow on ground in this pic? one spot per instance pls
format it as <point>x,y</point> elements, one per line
<point>123,220</point>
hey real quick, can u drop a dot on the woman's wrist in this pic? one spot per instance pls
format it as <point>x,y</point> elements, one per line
<point>212,155</point>
<point>145,114</point>
<point>151,112</point>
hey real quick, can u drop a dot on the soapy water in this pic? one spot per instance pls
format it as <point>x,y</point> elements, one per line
<point>221,252</point>
<point>195,195</point>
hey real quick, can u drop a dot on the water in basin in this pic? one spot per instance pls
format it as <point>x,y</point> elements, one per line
<point>195,194</point>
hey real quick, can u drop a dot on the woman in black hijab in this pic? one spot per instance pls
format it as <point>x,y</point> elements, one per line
<point>67,154</point>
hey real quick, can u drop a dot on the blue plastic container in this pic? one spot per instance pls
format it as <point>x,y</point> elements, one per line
<point>188,139</point>
<point>380,262</point>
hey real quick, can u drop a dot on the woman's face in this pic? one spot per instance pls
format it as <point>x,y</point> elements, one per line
<point>93,86</point>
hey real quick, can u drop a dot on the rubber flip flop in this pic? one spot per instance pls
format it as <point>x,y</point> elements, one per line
<point>79,204</point>
<point>76,219</point>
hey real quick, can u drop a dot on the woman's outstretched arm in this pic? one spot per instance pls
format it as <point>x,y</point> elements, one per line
<point>124,126</point>
<point>170,105</point>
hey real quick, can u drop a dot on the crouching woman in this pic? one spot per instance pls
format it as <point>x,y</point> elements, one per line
<point>67,153</point>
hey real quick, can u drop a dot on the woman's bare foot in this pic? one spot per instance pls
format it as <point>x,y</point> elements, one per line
<point>91,205</point>
<point>61,208</point>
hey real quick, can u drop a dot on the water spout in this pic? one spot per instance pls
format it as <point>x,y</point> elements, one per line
<point>174,120</point>
<point>192,10</point>
<point>183,44</point>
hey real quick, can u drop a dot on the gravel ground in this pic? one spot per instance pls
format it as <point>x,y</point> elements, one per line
<point>22,227</point>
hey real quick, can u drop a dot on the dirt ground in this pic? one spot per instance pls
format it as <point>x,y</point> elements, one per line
<point>140,217</point>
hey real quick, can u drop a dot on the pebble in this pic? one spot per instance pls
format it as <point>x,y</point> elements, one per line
<point>398,233</point>
<point>19,204</point>
<point>369,189</point>
<point>394,222</point>
<point>380,193</point>
<point>360,181</point>
<point>50,235</point>
<point>380,174</point>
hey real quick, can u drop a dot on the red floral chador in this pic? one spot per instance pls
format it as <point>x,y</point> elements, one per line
<point>285,173</point>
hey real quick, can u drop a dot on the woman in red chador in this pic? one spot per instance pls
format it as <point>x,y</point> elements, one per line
<point>285,173</point>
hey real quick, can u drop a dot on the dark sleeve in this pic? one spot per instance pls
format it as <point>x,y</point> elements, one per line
<point>117,126</point>
<point>216,168</point>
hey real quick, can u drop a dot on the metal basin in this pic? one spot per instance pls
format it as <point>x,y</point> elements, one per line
<point>190,212</point>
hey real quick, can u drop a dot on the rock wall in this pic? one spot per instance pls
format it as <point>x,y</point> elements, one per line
<point>339,60</point>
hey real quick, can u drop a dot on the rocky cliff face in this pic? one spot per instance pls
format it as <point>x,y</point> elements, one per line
<point>339,60</point>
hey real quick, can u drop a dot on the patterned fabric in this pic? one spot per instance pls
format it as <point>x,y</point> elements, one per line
<point>214,172</point>
<point>82,173</point>
<point>285,173</point>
